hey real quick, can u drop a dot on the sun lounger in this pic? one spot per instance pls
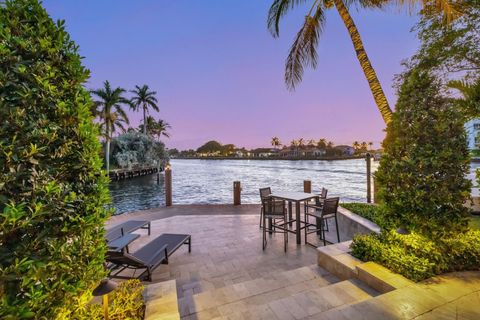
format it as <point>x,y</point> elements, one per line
<point>149,256</point>
<point>126,227</point>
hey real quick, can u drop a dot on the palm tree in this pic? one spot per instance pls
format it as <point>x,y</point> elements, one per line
<point>312,142</point>
<point>356,145</point>
<point>322,143</point>
<point>329,144</point>
<point>112,116</point>
<point>275,142</point>
<point>364,146</point>
<point>370,145</point>
<point>301,142</point>
<point>156,128</point>
<point>303,51</point>
<point>144,99</point>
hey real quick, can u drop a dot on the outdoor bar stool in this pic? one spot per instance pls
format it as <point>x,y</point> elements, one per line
<point>264,194</point>
<point>328,211</point>
<point>317,205</point>
<point>276,211</point>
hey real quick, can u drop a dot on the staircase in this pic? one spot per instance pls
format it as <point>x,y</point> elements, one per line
<point>294,294</point>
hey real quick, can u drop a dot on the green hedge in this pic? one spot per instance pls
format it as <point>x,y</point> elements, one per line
<point>417,257</point>
<point>371,212</point>
<point>52,189</point>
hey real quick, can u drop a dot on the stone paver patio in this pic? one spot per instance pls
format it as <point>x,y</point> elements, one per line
<point>228,276</point>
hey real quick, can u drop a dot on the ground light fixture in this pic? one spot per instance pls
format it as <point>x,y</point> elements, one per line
<point>402,230</point>
<point>104,288</point>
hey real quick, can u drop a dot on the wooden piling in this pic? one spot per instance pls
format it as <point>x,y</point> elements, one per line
<point>368,159</point>
<point>168,186</point>
<point>307,186</point>
<point>237,190</point>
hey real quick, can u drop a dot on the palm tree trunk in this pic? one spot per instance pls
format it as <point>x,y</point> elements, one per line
<point>144,120</point>
<point>367,68</point>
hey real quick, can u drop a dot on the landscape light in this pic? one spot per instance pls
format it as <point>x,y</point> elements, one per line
<point>104,288</point>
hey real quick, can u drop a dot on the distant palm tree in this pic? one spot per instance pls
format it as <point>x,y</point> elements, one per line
<point>322,143</point>
<point>356,145</point>
<point>276,142</point>
<point>303,50</point>
<point>112,116</point>
<point>301,142</point>
<point>329,144</point>
<point>156,128</point>
<point>144,99</point>
<point>294,143</point>
<point>312,142</point>
<point>370,145</point>
<point>364,146</point>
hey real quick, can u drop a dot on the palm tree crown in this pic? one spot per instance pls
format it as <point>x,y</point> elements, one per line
<point>156,128</point>
<point>303,52</point>
<point>144,99</point>
<point>109,109</point>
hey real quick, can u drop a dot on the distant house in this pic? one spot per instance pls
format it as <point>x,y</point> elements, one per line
<point>264,152</point>
<point>242,153</point>
<point>472,128</point>
<point>306,151</point>
<point>346,150</point>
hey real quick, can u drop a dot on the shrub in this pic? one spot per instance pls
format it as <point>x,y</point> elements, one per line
<point>136,149</point>
<point>368,211</point>
<point>52,190</point>
<point>126,302</point>
<point>422,173</point>
<point>417,257</point>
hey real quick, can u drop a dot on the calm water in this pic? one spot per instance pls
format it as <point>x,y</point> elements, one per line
<point>211,181</point>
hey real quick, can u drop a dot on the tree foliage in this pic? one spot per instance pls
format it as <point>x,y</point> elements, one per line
<point>211,147</point>
<point>450,49</point>
<point>134,149</point>
<point>52,190</point>
<point>425,161</point>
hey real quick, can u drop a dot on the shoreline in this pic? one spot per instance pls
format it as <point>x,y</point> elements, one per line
<point>271,158</point>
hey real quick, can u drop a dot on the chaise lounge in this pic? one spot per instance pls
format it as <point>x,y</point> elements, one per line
<point>149,257</point>
<point>126,227</point>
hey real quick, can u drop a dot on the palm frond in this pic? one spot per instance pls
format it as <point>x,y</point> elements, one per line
<point>277,10</point>
<point>303,52</point>
<point>450,9</point>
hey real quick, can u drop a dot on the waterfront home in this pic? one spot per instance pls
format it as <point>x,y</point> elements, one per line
<point>472,128</point>
<point>264,152</point>
<point>346,150</point>
<point>242,153</point>
<point>301,151</point>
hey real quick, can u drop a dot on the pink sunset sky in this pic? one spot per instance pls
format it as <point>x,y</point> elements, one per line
<point>219,73</point>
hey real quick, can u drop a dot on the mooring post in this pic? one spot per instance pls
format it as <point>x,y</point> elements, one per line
<point>168,185</point>
<point>368,159</point>
<point>307,186</point>
<point>237,190</point>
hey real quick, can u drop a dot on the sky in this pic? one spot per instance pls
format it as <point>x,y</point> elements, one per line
<point>219,74</point>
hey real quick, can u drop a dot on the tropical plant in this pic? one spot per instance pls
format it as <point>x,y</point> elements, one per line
<point>144,99</point>
<point>133,149</point>
<point>370,145</point>
<point>422,171</point>
<point>301,142</point>
<point>111,114</point>
<point>276,142</point>
<point>52,190</point>
<point>364,146</point>
<point>156,128</point>
<point>312,142</point>
<point>356,145</point>
<point>322,143</point>
<point>469,103</point>
<point>294,143</point>
<point>303,50</point>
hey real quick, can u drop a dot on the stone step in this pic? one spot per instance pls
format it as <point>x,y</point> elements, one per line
<point>284,304</point>
<point>263,289</point>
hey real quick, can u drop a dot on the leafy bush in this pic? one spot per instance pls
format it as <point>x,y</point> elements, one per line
<point>417,257</point>
<point>422,173</point>
<point>126,302</point>
<point>136,149</point>
<point>52,190</point>
<point>368,211</point>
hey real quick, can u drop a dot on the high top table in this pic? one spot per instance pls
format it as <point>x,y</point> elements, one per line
<point>297,198</point>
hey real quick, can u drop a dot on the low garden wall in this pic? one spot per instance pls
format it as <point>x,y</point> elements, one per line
<point>351,224</point>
